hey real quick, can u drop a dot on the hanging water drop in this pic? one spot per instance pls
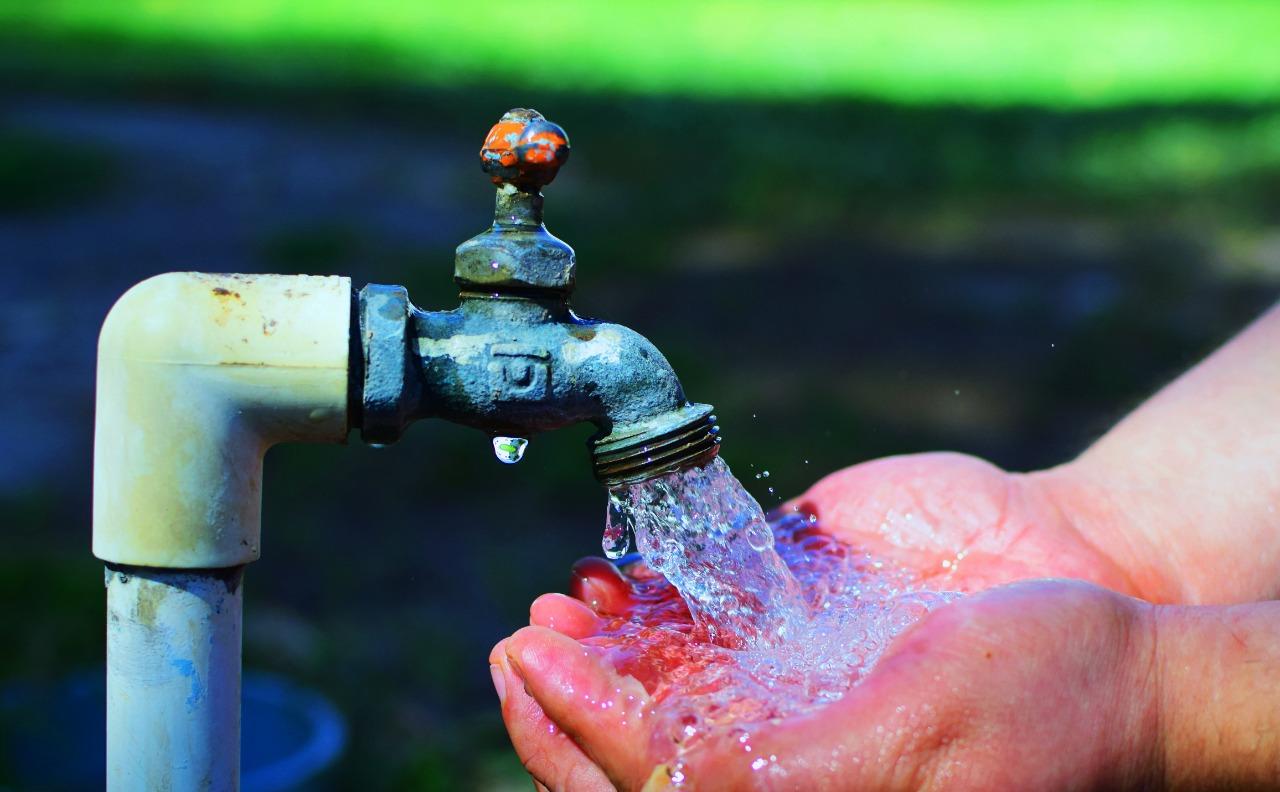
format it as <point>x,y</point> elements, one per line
<point>617,527</point>
<point>509,450</point>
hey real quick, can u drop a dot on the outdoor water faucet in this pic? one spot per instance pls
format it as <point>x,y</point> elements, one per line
<point>512,358</point>
<point>200,374</point>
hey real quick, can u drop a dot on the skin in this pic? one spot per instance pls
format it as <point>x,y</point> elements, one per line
<point>1154,667</point>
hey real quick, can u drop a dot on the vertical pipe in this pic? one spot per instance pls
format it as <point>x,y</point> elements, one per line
<point>173,679</point>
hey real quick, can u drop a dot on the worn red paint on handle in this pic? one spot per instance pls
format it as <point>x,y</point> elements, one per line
<point>524,149</point>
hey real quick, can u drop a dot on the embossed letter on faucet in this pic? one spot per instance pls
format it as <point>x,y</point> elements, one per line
<point>520,372</point>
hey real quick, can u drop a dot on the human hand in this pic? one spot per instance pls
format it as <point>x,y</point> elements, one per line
<point>1037,685</point>
<point>957,522</point>
<point>964,524</point>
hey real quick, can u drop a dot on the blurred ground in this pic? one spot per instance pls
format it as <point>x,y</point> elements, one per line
<point>843,279</point>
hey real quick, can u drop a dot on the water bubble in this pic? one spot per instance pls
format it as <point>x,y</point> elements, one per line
<point>759,536</point>
<point>762,474</point>
<point>509,450</point>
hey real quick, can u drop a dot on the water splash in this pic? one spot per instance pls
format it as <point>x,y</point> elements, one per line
<point>509,450</point>
<point>738,621</point>
<point>709,538</point>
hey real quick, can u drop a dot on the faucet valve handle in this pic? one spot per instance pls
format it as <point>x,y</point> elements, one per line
<point>524,150</point>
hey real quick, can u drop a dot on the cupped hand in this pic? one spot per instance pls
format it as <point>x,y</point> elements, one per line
<point>958,522</point>
<point>964,524</point>
<point>1042,684</point>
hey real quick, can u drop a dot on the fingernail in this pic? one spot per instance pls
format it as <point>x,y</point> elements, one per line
<point>499,682</point>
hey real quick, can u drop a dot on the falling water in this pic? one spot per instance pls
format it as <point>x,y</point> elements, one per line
<point>709,538</point>
<point>737,621</point>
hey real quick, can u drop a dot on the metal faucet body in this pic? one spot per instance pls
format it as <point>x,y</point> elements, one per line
<point>513,358</point>
<point>520,366</point>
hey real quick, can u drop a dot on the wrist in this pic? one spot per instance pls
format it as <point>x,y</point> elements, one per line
<point>1114,526</point>
<point>1219,706</point>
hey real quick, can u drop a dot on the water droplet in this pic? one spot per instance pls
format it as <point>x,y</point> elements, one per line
<point>957,391</point>
<point>493,265</point>
<point>509,450</point>
<point>617,528</point>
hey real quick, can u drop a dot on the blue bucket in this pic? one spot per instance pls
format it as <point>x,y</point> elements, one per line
<point>52,735</point>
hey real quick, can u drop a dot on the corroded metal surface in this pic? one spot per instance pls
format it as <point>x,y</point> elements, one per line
<point>389,389</point>
<point>524,150</point>
<point>522,154</point>
<point>512,358</point>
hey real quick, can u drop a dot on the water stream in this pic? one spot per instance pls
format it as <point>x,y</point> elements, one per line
<point>738,620</point>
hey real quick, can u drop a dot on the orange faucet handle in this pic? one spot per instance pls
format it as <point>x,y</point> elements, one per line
<point>524,149</point>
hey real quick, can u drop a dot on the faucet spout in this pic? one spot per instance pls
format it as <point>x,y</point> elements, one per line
<point>519,366</point>
<point>513,358</point>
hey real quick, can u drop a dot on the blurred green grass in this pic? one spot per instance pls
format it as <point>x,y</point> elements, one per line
<point>1054,53</point>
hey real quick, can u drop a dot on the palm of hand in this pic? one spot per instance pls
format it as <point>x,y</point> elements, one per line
<point>960,520</point>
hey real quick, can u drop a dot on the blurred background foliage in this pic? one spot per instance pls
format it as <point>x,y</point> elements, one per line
<point>858,228</point>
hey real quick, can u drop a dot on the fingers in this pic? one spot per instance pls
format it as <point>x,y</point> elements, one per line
<point>599,584</point>
<point>581,692</point>
<point>553,760</point>
<point>565,615</point>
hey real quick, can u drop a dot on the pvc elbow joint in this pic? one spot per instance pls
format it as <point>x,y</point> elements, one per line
<point>198,375</point>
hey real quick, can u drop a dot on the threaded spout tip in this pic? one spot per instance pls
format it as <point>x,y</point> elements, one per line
<point>668,442</point>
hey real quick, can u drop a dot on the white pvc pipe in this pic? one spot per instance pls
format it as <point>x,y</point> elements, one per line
<point>198,375</point>
<point>173,679</point>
